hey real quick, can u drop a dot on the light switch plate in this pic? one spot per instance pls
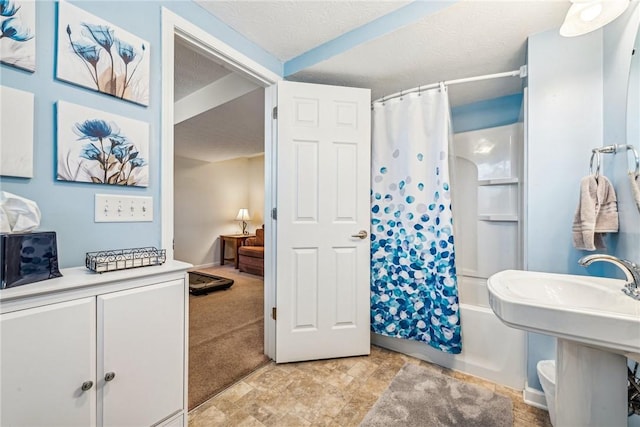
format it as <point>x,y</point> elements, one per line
<point>115,208</point>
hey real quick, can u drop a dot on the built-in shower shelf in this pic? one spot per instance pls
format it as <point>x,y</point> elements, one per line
<point>497,181</point>
<point>498,218</point>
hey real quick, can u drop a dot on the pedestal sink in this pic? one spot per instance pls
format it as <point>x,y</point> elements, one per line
<point>597,327</point>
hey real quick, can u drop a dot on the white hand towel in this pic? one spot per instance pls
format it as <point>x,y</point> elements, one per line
<point>597,213</point>
<point>635,187</point>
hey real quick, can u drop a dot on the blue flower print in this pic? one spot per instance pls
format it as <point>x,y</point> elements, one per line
<point>120,150</point>
<point>126,52</point>
<point>89,53</point>
<point>8,8</point>
<point>93,130</point>
<point>96,38</point>
<point>13,29</point>
<point>115,154</point>
<point>137,162</point>
<point>90,152</point>
<point>102,34</point>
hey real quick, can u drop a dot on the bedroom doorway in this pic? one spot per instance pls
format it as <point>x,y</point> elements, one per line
<point>218,169</point>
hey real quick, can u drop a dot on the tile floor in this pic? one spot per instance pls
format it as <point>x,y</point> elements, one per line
<point>336,392</point>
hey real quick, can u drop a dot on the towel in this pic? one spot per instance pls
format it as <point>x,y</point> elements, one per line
<point>635,187</point>
<point>597,213</point>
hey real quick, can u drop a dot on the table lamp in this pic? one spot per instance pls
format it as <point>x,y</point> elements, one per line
<point>243,215</point>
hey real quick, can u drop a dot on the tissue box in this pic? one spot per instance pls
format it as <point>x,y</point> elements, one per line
<point>27,258</point>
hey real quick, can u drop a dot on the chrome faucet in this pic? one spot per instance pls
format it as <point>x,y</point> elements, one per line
<point>630,269</point>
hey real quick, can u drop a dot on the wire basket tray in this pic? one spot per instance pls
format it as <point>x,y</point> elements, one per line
<point>124,259</point>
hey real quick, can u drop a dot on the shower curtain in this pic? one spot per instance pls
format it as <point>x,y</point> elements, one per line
<point>414,292</point>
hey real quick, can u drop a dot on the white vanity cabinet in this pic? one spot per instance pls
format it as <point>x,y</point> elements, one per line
<point>46,354</point>
<point>121,337</point>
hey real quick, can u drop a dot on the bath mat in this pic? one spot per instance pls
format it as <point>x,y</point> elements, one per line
<point>418,396</point>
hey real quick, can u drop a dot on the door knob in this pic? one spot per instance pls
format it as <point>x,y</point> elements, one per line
<point>361,234</point>
<point>109,376</point>
<point>86,385</point>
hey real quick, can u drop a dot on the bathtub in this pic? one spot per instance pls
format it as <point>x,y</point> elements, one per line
<point>490,350</point>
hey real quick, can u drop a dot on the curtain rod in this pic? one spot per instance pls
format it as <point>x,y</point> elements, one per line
<point>522,72</point>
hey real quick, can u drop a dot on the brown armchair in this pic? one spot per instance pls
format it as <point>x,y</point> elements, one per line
<point>251,254</point>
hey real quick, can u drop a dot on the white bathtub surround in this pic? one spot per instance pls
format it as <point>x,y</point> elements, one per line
<point>487,199</point>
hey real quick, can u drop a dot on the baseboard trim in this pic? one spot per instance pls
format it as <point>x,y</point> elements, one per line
<point>201,266</point>
<point>534,397</point>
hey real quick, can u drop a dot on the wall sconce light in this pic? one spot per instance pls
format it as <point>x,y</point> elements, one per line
<point>585,16</point>
<point>243,215</point>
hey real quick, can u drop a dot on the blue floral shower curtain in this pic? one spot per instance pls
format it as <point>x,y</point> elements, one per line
<point>414,292</point>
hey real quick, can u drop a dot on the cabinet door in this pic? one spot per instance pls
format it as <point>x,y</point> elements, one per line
<point>141,341</point>
<point>47,353</point>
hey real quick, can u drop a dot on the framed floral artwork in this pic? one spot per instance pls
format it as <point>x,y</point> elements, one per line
<point>16,132</point>
<point>18,33</point>
<point>95,54</point>
<point>101,148</point>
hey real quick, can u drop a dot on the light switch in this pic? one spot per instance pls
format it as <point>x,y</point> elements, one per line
<point>115,208</point>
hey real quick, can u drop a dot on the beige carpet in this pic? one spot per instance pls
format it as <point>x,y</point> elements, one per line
<point>225,334</point>
<point>418,396</point>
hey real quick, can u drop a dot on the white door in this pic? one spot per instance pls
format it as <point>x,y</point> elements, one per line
<point>323,185</point>
<point>47,373</point>
<point>141,342</point>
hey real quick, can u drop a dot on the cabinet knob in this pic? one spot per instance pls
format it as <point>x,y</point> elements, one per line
<point>86,385</point>
<point>109,376</point>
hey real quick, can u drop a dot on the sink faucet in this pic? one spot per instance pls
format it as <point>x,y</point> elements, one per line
<point>630,269</point>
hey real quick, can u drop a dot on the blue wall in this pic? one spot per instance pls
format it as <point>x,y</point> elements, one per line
<point>575,80</point>
<point>68,208</point>
<point>564,124</point>
<point>619,39</point>
<point>487,114</point>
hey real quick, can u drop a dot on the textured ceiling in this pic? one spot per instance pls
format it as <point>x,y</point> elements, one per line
<point>193,70</point>
<point>287,29</point>
<point>467,39</point>
<point>232,130</point>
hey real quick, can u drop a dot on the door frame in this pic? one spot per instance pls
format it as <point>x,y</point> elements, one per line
<point>173,26</point>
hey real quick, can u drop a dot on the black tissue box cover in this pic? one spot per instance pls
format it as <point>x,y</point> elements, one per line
<point>27,258</point>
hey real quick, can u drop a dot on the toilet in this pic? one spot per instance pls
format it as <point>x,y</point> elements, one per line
<point>547,376</point>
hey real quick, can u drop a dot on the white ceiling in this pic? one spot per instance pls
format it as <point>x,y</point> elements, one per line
<point>468,38</point>
<point>231,130</point>
<point>193,70</point>
<point>289,28</point>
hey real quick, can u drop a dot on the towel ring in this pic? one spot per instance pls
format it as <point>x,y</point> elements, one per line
<point>596,154</point>
<point>636,159</point>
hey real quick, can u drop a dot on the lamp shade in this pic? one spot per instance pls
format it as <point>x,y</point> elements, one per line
<point>585,16</point>
<point>243,215</point>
